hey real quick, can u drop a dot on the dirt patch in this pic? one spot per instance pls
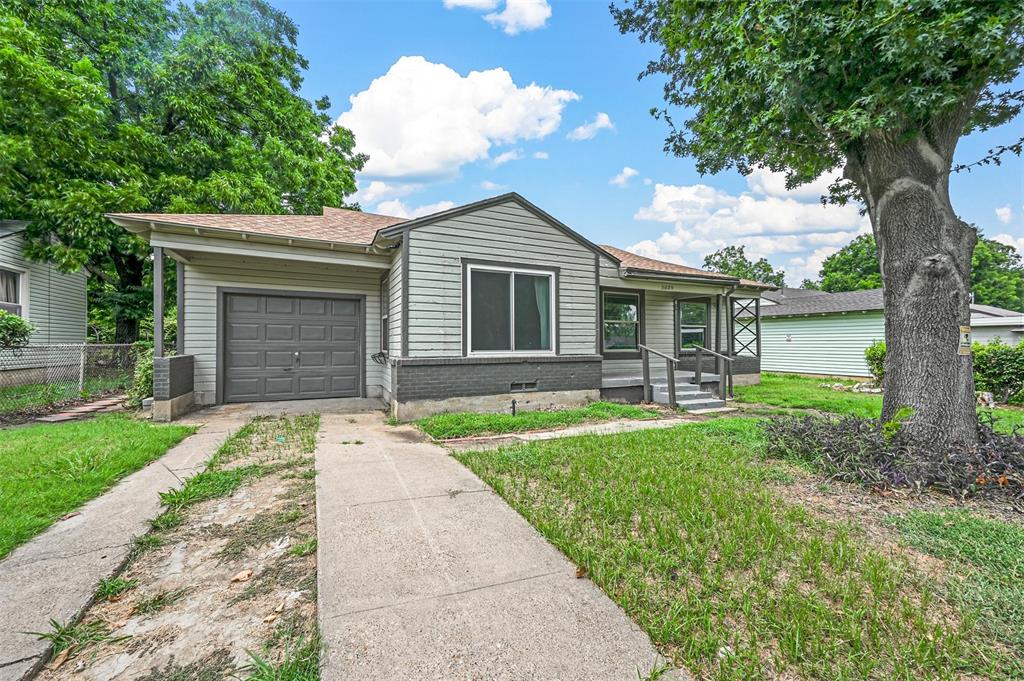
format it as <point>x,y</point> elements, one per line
<point>233,578</point>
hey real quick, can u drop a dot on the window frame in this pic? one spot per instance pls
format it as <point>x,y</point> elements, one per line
<point>641,322</point>
<point>385,313</point>
<point>22,303</point>
<point>467,297</point>
<point>706,302</point>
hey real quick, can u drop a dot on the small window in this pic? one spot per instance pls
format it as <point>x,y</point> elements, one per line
<point>510,311</point>
<point>621,321</point>
<point>10,292</point>
<point>385,307</point>
<point>693,324</point>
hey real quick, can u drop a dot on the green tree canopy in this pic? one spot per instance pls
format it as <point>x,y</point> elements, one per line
<point>997,272</point>
<point>734,261</point>
<point>194,108</point>
<point>883,89</point>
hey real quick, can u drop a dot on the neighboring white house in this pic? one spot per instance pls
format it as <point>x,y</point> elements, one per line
<point>812,332</point>
<point>53,301</point>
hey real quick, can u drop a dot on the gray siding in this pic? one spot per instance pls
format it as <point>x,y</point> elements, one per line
<point>208,272</point>
<point>393,283</point>
<point>56,301</point>
<point>506,233</point>
<point>1006,334</point>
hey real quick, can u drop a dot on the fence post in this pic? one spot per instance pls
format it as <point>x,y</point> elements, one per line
<point>81,369</point>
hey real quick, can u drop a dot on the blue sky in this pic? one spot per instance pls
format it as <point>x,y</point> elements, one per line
<point>457,100</point>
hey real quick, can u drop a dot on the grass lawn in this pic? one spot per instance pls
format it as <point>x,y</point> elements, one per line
<point>49,470</point>
<point>801,392</point>
<point>730,580</point>
<point>464,424</point>
<point>29,397</point>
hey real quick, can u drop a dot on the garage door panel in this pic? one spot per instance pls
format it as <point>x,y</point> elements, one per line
<point>280,305</point>
<point>265,332</point>
<point>280,332</point>
<point>317,332</point>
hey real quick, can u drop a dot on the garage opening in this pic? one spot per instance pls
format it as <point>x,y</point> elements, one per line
<point>291,346</point>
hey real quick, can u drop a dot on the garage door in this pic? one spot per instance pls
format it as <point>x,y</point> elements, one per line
<point>281,347</point>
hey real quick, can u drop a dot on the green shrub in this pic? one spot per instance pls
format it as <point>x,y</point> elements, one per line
<point>142,380</point>
<point>875,356</point>
<point>14,331</point>
<point>999,369</point>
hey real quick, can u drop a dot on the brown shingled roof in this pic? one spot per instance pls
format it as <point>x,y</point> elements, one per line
<point>638,262</point>
<point>336,224</point>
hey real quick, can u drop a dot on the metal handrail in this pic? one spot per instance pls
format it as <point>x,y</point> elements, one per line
<point>658,353</point>
<point>723,365</point>
<point>727,358</point>
<point>670,370</point>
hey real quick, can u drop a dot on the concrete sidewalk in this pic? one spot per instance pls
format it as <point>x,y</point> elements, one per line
<point>424,573</point>
<point>55,574</point>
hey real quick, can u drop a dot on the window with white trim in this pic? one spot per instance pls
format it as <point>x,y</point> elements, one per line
<point>510,310</point>
<point>693,324</point>
<point>10,292</point>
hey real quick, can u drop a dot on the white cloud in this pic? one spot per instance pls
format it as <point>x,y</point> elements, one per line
<point>648,181</point>
<point>471,4</point>
<point>650,249</point>
<point>505,157</point>
<point>588,130</point>
<point>422,120</point>
<point>790,228</point>
<point>378,190</point>
<point>541,155</point>
<point>517,16</point>
<point>1005,214</point>
<point>397,209</point>
<point>1010,240</point>
<point>520,15</point>
<point>487,185</point>
<point>622,179</point>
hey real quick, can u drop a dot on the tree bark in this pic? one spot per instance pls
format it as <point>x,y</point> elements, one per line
<point>925,256</point>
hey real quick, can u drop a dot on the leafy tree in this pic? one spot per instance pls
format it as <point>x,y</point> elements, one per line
<point>810,285</point>
<point>997,274</point>
<point>853,267</point>
<point>883,89</point>
<point>734,261</point>
<point>135,105</point>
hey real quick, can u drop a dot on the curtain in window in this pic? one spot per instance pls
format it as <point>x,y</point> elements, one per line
<point>542,292</point>
<point>9,287</point>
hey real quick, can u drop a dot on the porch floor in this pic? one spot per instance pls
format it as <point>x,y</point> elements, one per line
<point>625,379</point>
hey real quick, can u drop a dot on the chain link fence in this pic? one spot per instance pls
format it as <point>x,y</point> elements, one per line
<point>36,378</point>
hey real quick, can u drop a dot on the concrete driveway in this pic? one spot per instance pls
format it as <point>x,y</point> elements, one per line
<point>424,573</point>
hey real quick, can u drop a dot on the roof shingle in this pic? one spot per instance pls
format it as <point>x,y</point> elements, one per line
<point>639,262</point>
<point>336,224</point>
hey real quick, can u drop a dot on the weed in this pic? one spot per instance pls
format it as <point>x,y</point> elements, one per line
<point>261,530</point>
<point>166,521</point>
<point>159,601</point>
<point>79,636</point>
<point>213,667</point>
<point>114,586</point>
<point>300,662</point>
<point>303,548</point>
<point>209,484</point>
<point>143,543</point>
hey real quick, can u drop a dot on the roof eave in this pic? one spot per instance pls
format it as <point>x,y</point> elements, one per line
<point>639,273</point>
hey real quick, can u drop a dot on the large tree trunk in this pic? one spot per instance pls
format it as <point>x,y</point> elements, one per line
<point>925,256</point>
<point>131,297</point>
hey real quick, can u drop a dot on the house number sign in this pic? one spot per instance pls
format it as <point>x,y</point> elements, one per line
<point>965,341</point>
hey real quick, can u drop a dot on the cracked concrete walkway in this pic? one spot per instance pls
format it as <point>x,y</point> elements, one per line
<point>424,573</point>
<point>55,574</point>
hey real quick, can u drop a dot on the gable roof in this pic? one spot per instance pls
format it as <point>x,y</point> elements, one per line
<point>641,265</point>
<point>335,224</point>
<point>822,302</point>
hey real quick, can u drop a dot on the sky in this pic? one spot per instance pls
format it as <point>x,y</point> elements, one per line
<point>459,100</point>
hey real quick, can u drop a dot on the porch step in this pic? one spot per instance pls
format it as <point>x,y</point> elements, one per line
<point>687,397</point>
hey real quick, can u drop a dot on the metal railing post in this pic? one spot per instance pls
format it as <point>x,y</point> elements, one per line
<point>645,357</point>
<point>670,368</point>
<point>699,366</point>
<point>721,364</point>
<point>81,370</point>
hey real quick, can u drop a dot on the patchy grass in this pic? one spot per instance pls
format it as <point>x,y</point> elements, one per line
<point>989,559</point>
<point>730,580</point>
<point>35,396</point>
<point>789,391</point>
<point>143,544</point>
<point>113,587</point>
<point>157,602</point>
<point>464,424</point>
<point>304,547</point>
<point>299,662</point>
<point>77,636</point>
<point>49,470</point>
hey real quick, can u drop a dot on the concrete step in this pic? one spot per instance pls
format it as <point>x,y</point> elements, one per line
<point>680,388</point>
<point>700,401</point>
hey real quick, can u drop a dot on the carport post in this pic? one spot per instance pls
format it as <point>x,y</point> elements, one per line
<point>179,334</point>
<point>158,301</point>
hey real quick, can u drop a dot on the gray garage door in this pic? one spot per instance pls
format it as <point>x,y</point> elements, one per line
<point>281,347</point>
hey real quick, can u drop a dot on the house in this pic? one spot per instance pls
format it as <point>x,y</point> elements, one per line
<point>814,332</point>
<point>466,309</point>
<point>52,301</point>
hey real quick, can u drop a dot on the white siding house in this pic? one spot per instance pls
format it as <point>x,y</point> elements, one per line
<point>52,301</point>
<point>812,332</point>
